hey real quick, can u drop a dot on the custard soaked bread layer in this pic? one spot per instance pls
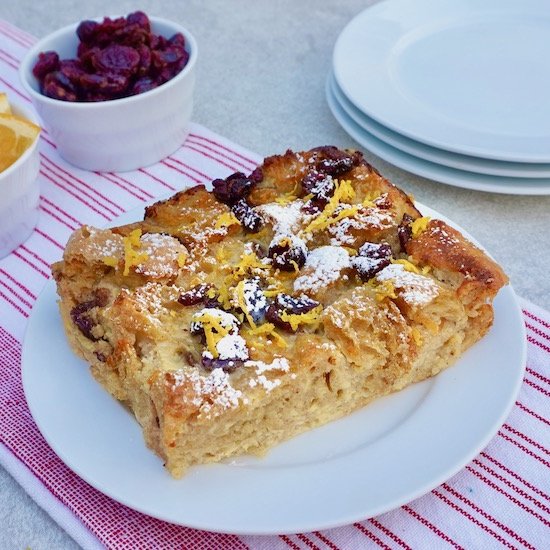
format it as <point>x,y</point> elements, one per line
<point>230,320</point>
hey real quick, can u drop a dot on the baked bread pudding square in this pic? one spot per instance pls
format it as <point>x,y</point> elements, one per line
<point>230,320</point>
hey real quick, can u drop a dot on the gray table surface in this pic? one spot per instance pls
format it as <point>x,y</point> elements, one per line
<point>261,76</point>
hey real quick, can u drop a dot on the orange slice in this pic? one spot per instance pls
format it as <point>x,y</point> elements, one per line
<point>16,135</point>
<point>4,104</point>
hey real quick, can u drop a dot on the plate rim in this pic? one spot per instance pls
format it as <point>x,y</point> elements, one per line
<point>465,149</point>
<point>457,161</point>
<point>425,168</point>
<point>296,526</point>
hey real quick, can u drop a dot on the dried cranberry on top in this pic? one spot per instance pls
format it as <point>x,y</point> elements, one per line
<point>58,86</point>
<point>95,96</point>
<point>257,175</point>
<point>233,352</point>
<point>47,62</point>
<point>79,313</point>
<point>250,220</point>
<point>320,185</point>
<point>255,300</point>
<point>166,74</point>
<point>335,167</point>
<point>72,69</point>
<point>227,365</point>
<point>181,61</point>
<point>144,60</point>
<point>131,35</point>
<point>107,83</point>
<point>87,30</point>
<point>158,42</point>
<point>117,59</point>
<point>227,320</point>
<point>86,58</point>
<point>284,303</point>
<point>197,295</point>
<point>288,252</point>
<point>194,296</point>
<point>177,40</point>
<point>83,321</point>
<point>140,19</point>
<point>172,58</point>
<point>334,161</point>
<point>404,231</point>
<point>371,259</point>
<point>313,206</point>
<point>212,302</point>
<point>103,34</point>
<point>233,188</point>
<point>143,85</point>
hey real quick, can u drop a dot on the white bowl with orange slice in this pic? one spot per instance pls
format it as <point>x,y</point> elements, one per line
<point>19,165</point>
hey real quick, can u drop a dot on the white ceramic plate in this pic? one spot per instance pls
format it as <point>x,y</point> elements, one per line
<point>467,76</point>
<point>343,472</point>
<point>433,154</point>
<point>432,170</point>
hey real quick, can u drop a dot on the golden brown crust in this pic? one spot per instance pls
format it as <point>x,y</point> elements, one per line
<point>368,331</point>
<point>445,249</point>
<point>188,318</point>
<point>189,215</point>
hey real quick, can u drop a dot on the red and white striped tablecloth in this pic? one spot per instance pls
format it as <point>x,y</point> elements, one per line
<point>500,499</point>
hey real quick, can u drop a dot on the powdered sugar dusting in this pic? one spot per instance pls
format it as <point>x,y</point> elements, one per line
<point>162,255</point>
<point>278,364</point>
<point>227,320</point>
<point>232,346</point>
<point>336,316</point>
<point>263,381</point>
<point>449,240</point>
<point>414,289</point>
<point>373,218</point>
<point>208,233</point>
<point>323,266</point>
<point>150,299</point>
<point>152,241</point>
<point>295,242</point>
<point>365,263</point>
<point>109,248</point>
<point>328,346</point>
<point>285,219</point>
<point>215,389</point>
<point>255,300</point>
<point>96,244</point>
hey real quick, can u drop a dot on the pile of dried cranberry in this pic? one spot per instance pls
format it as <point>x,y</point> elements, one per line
<point>116,58</point>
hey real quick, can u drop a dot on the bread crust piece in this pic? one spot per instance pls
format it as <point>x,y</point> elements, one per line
<point>225,338</point>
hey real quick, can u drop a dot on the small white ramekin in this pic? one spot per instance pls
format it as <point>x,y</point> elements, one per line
<point>19,194</point>
<point>120,134</point>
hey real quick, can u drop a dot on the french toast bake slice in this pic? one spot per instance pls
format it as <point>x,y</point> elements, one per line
<point>229,321</point>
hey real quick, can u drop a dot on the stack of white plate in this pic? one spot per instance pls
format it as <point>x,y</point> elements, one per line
<point>457,91</point>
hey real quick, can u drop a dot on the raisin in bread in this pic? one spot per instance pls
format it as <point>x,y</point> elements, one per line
<point>230,320</point>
